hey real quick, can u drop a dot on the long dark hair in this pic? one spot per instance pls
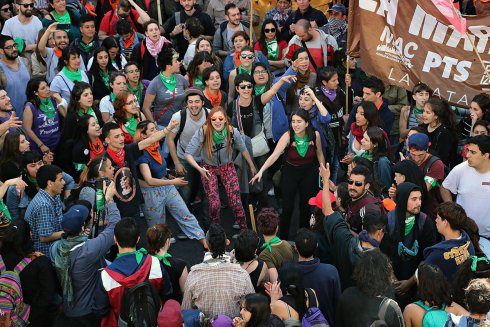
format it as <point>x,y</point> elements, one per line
<point>376,136</point>
<point>259,307</point>
<point>65,56</point>
<point>10,150</point>
<point>109,43</point>
<point>372,274</point>
<point>262,39</point>
<point>483,101</point>
<point>199,58</point>
<point>292,283</point>
<point>445,115</point>
<point>433,286</point>
<point>76,94</point>
<point>95,68</point>
<point>29,157</point>
<point>303,114</point>
<point>371,113</point>
<point>31,89</point>
<point>82,129</point>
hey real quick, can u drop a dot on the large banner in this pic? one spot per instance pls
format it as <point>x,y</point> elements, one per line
<point>405,42</point>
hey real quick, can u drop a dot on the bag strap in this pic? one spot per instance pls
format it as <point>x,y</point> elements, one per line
<point>313,63</point>
<point>22,264</point>
<point>238,115</point>
<point>166,106</point>
<point>383,307</point>
<point>183,118</point>
<point>312,303</point>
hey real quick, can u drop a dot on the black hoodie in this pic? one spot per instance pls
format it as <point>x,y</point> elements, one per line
<point>423,231</point>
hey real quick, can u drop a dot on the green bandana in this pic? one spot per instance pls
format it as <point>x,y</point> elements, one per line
<point>163,258</point>
<point>259,89</point>
<point>65,19</point>
<point>417,111</point>
<point>105,78</point>
<point>131,126</point>
<point>138,91</point>
<point>268,244</point>
<point>169,82</point>
<point>46,106</point>
<point>86,47</point>
<point>432,181</point>
<point>475,260</point>
<point>5,210</point>
<point>72,76</point>
<point>218,137</point>
<point>302,144</point>
<point>90,112</point>
<point>113,96</point>
<point>138,254</point>
<point>198,82</point>
<point>242,70</point>
<point>409,222</point>
<point>32,180</point>
<point>272,49</point>
<point>367,155</point>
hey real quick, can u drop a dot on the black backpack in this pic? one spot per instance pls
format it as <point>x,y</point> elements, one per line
<point>140,304</point>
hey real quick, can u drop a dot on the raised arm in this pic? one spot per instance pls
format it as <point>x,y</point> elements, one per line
<point>281,145</point>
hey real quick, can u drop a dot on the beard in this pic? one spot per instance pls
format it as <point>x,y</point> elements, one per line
<point>12,56</point>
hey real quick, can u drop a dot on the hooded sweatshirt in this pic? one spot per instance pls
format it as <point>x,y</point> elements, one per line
<point>423,232</point>
<point>449,254</point>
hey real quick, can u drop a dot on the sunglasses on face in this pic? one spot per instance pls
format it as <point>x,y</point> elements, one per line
<point>272,30</point>
<point>244,56</point>
<point>220,118</point>
<point>247,86</point>
<point>26,5</point>
<point>356,183</point>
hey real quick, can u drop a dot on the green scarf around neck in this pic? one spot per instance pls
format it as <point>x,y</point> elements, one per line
<point>138,254</point>
<point>169,82</point>
<point>302,144</point>
<point>260,89</point>
<point>417,111</point>
<point>47,107</point>
<point>137,91</point>
<point>219,137</point>
<point>272,49</point>
<point>163,258</point>
<point>198,82</point>
<point>268,244</point>
<point>65,19</point>
<point>131,126</point>
<point>409,222</point>
<point>86,47</point>
<point>90,111</point>
<point>72,76</point>
<point>105,78</point>
<point>242,70</point>
<point>368,155</point>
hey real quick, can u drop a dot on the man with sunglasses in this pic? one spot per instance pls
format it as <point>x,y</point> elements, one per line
<point>362,200</point>
<point>25,25</point>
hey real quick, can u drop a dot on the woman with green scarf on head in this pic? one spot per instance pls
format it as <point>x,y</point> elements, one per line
<point>69,72</point>
<point>302,149</point>
<point>127,114</point>
<point>42,116</point>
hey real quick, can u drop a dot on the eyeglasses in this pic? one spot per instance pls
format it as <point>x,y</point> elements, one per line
<point>260,72</point>
<point>220,118</point>
<point>272,30</point>
<point>27,5</point>
<point>130,103</point>
<point>5,9</point>
<point>133,71</point>
<point>246,86</point>
<point>356,183</point>
<point>10,47</point>
<point>244,56</point>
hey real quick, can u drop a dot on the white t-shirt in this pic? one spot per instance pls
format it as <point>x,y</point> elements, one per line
<point>63,85</point>
<point>105,105</point>
<point>188,132</point>
<point>28,32</point>
<point>473,194</point>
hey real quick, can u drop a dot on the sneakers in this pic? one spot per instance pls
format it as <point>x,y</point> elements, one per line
<point>271,192</point>
<point>235,226</point>
<point>172,240</point>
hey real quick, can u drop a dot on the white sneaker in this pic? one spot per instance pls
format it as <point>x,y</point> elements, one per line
<point>172,240</point>
<point>271,192</point>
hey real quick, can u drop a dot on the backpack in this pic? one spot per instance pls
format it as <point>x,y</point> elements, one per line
<point>432,317</point>
<point>183,118</point>
<point>13,311</point>
<point>313,315</point>
<point>431,161</point>
<point>383,308</point>
<point>140,304</point>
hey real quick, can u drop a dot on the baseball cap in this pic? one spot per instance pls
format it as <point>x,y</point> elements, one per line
<point>339,8</point>
<point>74,219</point>
<point>317,200</point>
<point>194,91</point>
<point>418,141</point>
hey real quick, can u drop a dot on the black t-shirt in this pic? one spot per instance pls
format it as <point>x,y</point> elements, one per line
<point>132,153</point>
<point>174,272</point>
<point>249,117</point>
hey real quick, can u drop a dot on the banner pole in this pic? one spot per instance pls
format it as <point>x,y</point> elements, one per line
<point>347,59</point>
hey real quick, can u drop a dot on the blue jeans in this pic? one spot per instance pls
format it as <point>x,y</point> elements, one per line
<point>158,198</point>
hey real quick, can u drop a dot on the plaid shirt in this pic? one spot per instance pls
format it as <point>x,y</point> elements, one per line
<point>44,215</point>
<point>216,287</point>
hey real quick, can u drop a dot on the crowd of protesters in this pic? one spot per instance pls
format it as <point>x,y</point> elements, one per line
<point>372,201</point>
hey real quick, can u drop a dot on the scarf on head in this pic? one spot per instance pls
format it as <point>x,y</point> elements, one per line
<point>62,265</point>
<point>138,91</point>
<point>259,89</point>
<point>214,99</point>
<point>336,27</point>
<point>47,108</point>
<point>117,157</point>
<point>272,49</point>
<point>127,44</point>
<point>198,82</point>
<point>105,78</point>
<point>72,76</point>
<point>155,48</point>
<point>65,19</point>
<point>219,137</point>
<point>364,237</point>
<point>58,52</point>
<point>86,47</point>
<point>154,151</point>
<point>302,144</point>
<point>130,125</point>
<point>96,148</point>
<point>268,244</point>
<point>163,259</point>
<point>236,58</point>
<point>330,94</point>
<point>138,254</point>
<point>242,70</point>
<point>169,82</point>
<point>357,132</point>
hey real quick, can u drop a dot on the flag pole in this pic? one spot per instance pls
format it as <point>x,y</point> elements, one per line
<point>347,59</point>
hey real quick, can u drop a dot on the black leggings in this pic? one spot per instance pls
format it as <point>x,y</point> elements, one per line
<point>294,179</point>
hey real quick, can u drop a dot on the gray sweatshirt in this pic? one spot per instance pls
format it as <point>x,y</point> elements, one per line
<point>219,155</point>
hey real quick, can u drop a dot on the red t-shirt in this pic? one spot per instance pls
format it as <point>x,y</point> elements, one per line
<point>109,27</point>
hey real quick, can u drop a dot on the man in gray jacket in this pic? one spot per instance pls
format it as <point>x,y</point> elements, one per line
<point>78,260</point>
